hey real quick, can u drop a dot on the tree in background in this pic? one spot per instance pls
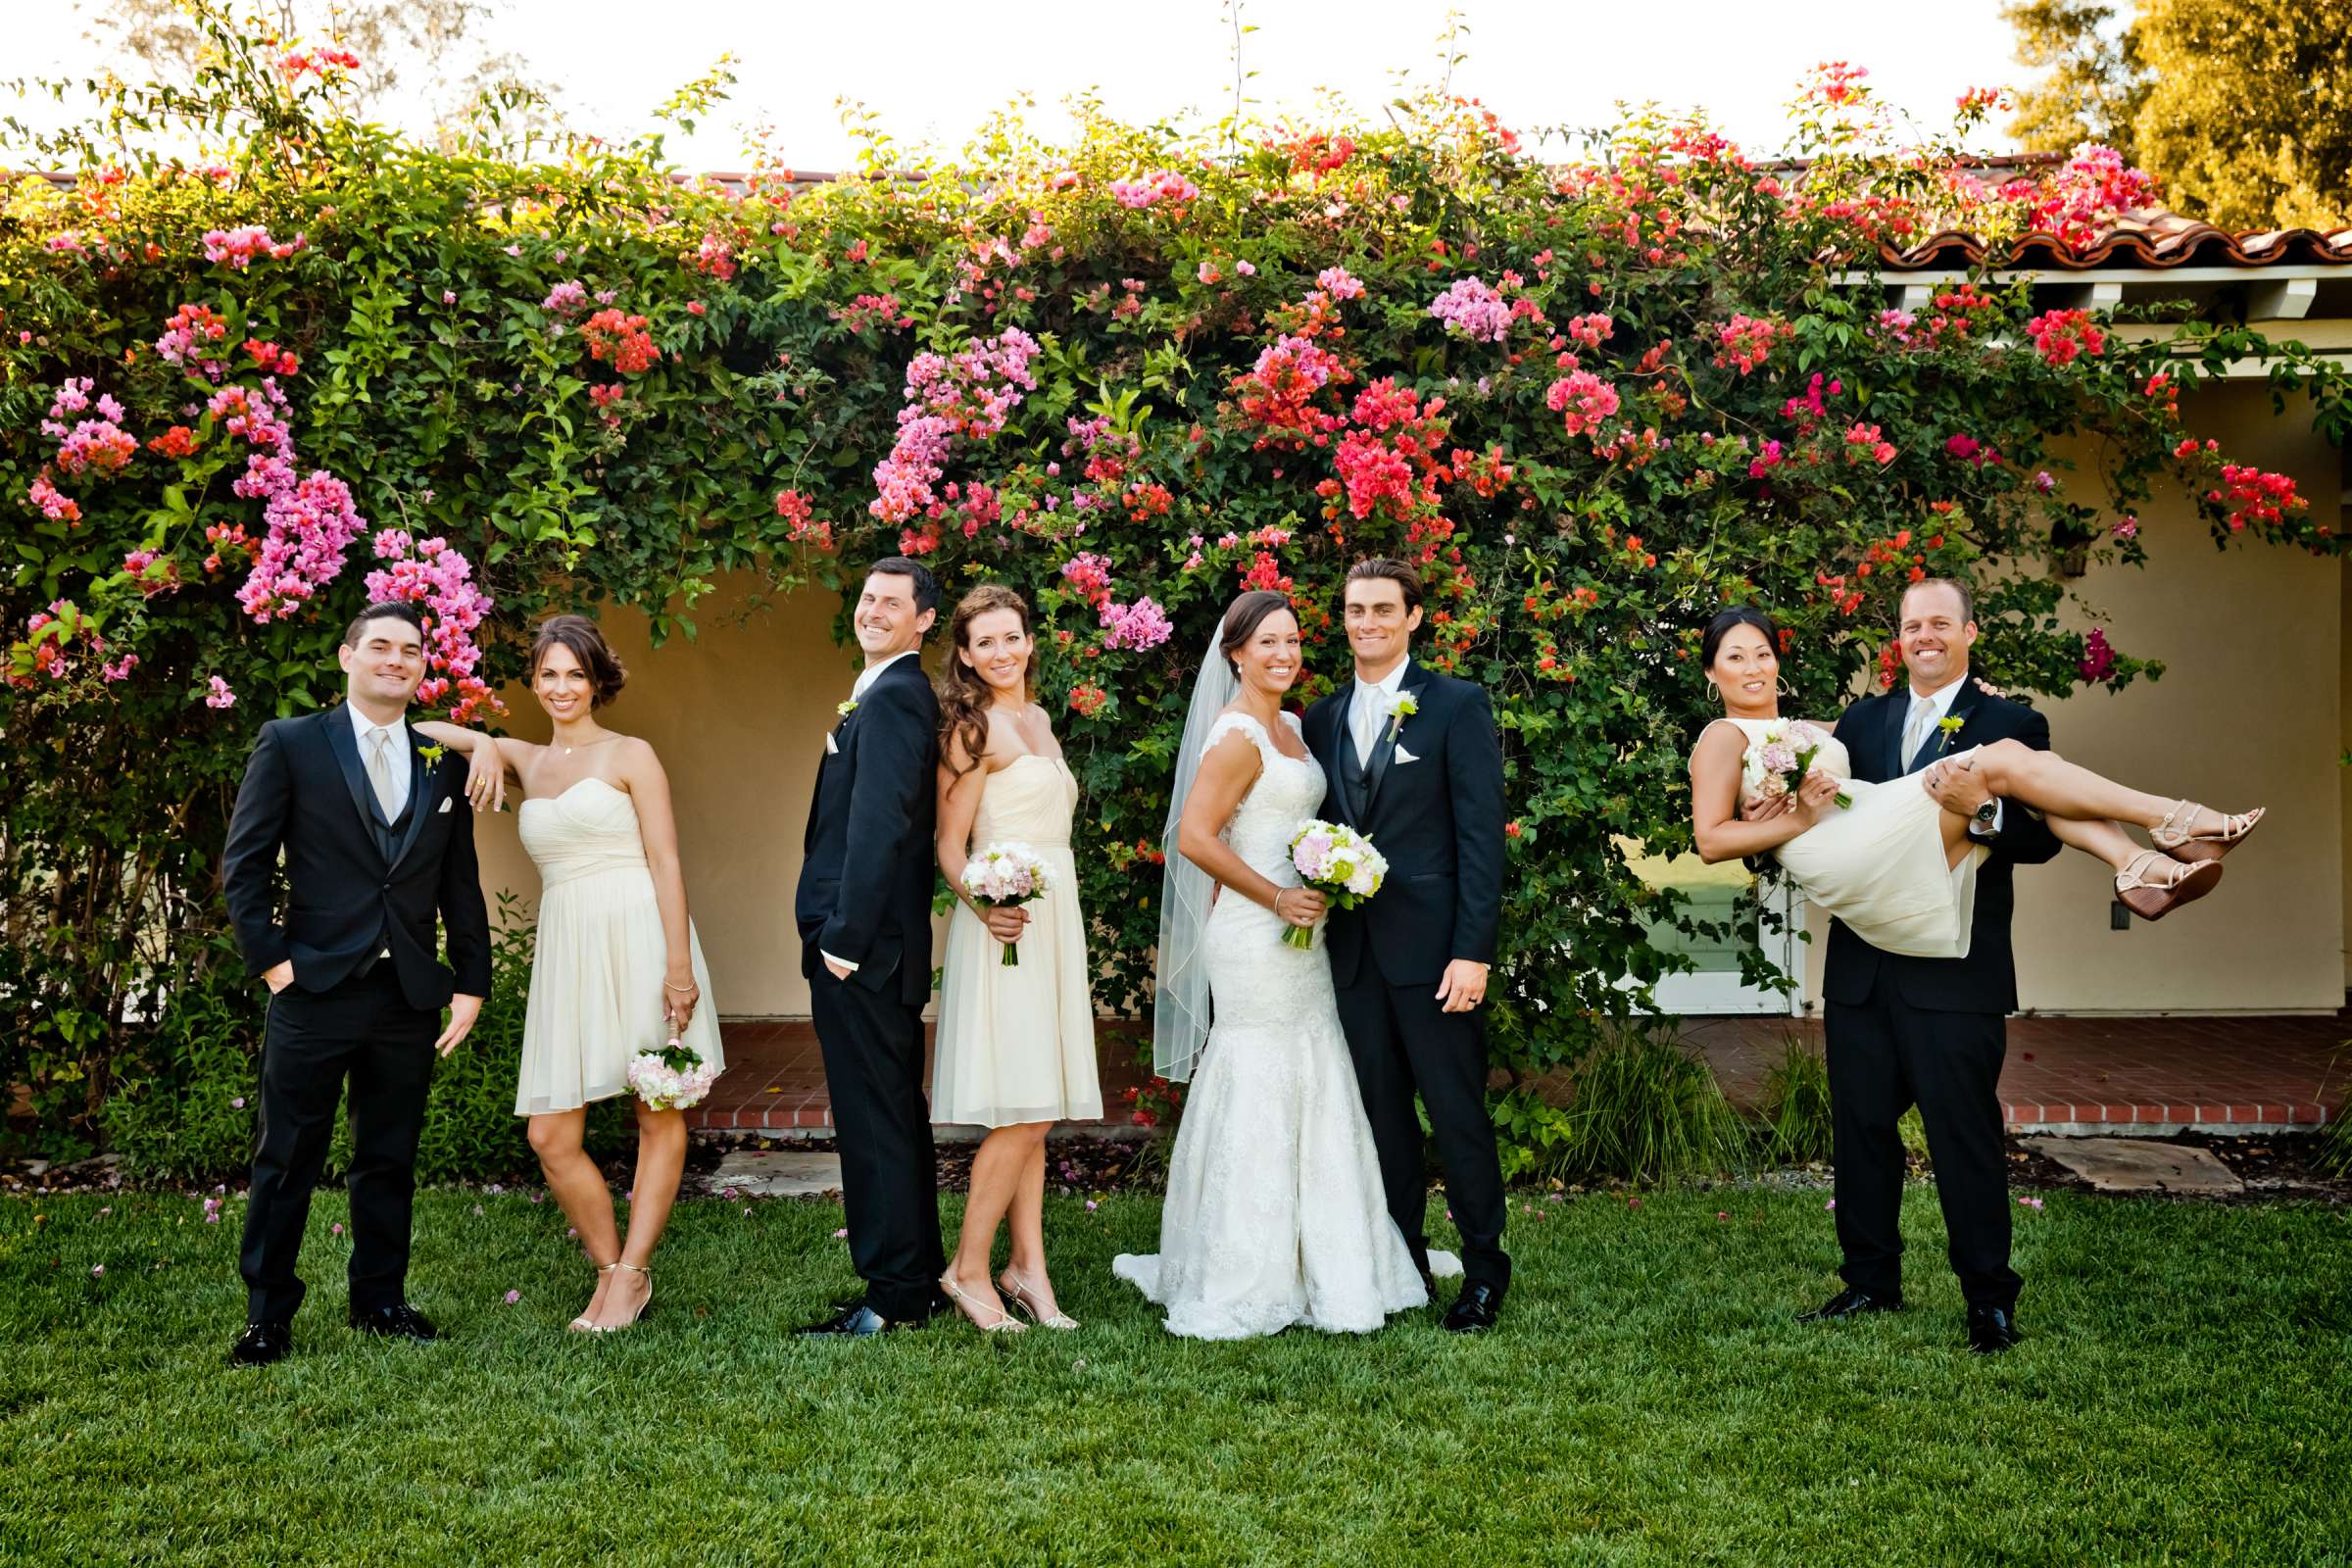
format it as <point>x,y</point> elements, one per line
<point>434,52</point>
<point>2241,109</point>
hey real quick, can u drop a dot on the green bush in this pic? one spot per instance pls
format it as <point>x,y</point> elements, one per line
<point>1647,1107</point>
<point>2335,1139</point>
<point>184,1112</point>
<point>1590,402</point>
<point>1795,1109</point>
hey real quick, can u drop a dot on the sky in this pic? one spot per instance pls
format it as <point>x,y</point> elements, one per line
<point>935,71</point>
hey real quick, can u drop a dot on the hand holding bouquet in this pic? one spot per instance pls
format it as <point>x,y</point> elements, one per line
<point>1777,762</point>
<point>1005,877</point>
<point>1337,862</point>
<point>671,1078</point>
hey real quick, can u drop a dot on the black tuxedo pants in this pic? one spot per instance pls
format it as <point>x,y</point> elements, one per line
<point>1884,1057</point>
<point>364,1030</point>
<point>1403,1040</point>
<point>873,1053</point>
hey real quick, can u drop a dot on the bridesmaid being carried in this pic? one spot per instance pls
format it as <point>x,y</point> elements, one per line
<point>617,970</point>
<point>1016,1043</point>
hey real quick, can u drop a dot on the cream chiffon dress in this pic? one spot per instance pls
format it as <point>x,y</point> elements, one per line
<point>1878,863</point>
<point>597,992</point>
<point>1016,1042</point>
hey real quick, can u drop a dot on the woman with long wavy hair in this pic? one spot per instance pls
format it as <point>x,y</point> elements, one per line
<point>1016,1042</point>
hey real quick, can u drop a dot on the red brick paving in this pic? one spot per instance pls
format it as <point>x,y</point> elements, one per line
<point>2211,1074</point>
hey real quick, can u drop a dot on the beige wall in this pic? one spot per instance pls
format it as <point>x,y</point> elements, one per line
<point>2254,708</point>
<point>2251,711</point>
<point>739,718</point>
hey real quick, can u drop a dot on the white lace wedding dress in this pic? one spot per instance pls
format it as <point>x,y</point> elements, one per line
<point>1275,1215</point>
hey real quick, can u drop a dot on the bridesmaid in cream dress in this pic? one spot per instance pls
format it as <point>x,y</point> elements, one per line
<point>617,970</point>
<point>1016,1043</point>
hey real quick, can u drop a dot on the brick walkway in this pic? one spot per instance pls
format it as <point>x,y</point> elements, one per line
<point>2101,1074</point>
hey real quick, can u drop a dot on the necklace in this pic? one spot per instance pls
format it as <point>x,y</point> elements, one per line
<point>568,750</point>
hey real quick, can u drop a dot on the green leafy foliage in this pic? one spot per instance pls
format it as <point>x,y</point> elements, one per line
<point>1593,403</point>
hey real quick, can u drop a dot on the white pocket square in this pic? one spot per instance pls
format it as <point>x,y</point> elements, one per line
<point>443,806</point>
<point>831,750</point>
<point>1404,755</point>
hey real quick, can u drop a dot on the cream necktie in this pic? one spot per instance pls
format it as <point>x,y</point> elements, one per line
<point>379,772</point>
<point>1366,726</point>
<point>1915,732</point>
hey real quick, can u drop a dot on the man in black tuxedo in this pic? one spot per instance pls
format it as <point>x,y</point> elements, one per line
<point>863,910</point>
<point>376,842</point>
<point>1413,761</point>
<point>1930,1031</point>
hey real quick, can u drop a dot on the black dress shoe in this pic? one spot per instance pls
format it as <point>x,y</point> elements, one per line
<point>1850,1303</point>
<point>855,1320</point>
<point>1991,1329</point>
<point>261,1343</point>
<point>1475,1309</point>
<point>399,1321</point>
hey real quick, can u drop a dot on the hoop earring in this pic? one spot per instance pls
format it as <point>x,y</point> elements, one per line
<point>1787,690</point>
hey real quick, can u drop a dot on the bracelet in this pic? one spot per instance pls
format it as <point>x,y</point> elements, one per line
<point>681,989</point>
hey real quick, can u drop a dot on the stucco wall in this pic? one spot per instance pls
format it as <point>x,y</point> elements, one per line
<point>2251,711</point>
<point>739,718</point>
<point>2253,708</point>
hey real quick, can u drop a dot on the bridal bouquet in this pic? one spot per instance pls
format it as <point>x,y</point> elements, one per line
<point>1005,877</point>
<point>1777,762</point>
<point>1337,862</point>
<point>671,1078</point>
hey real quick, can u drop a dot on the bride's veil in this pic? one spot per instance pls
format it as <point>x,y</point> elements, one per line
<point>1180,993</point>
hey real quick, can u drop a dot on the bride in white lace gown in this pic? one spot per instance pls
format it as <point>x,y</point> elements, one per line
<point>1275,1215</point>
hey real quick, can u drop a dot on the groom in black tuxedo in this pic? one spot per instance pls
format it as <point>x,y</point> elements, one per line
<point>1906,1030</point>
<point>1413,763</point>
<point>863,910</point>
<point>377,840</point>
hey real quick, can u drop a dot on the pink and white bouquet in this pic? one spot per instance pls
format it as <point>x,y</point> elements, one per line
<point>1337,862</point>
<point>1777,762</point>
<point>671,1078</point>
<point>1005,877</point>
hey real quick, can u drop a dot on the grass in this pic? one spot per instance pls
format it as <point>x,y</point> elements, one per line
<point>2182,1398</point>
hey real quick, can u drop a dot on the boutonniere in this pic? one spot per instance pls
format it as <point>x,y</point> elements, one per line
<point>1950,728</point>
<point>432,754</point>
<point>845,708</point>
<point>1400,710</point>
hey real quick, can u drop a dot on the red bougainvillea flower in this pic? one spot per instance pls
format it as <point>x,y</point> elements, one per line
<point>2061,335</point>
<point>621,340</point>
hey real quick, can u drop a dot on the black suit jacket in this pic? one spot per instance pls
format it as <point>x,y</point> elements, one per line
<point>306,793</point>
<point>867,864</point>
<point>1985,981</point>
<point>1437,818</point>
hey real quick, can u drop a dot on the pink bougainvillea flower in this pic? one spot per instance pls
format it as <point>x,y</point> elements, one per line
<point>220,696</point>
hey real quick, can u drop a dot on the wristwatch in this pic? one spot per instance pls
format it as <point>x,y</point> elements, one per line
<point>1981,823</point>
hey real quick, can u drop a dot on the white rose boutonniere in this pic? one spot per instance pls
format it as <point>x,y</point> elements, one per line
<point>1401,708</point>
<point>845,708</point>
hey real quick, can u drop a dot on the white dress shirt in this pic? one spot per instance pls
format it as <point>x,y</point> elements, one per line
<point>1371,707</point>
<point>865,678</point>
<point>1942,699</point>
<point>396,753</point>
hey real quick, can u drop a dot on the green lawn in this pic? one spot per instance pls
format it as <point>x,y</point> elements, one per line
<point>2183,1396</point>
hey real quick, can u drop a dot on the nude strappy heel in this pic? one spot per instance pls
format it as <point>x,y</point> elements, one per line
<point>643,1307</point>
<point>972,1309</point>
<point>2153,901</point>
<point>2173,836</point>
<point>580,1324</point>
<point>1014,1285</point>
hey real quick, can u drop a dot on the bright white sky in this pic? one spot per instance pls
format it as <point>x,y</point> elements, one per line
<point>934,69</point>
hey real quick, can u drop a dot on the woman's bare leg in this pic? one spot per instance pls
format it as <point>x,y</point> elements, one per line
<point>1028,1217</point>
<point>2106,840</point>
<point>579,1189</point>
<point>996,1167</point>
<point>2058,788</point>
<point>654,1191</point>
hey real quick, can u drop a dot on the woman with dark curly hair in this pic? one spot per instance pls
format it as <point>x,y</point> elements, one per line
<point>617,970</point>
<point>1016,1043</point>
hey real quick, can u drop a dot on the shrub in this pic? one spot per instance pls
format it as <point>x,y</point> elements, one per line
<point>1645,1107</point>
<point>1590,404</point>
<point>1795,1111</point>
<point>184,1107</point>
